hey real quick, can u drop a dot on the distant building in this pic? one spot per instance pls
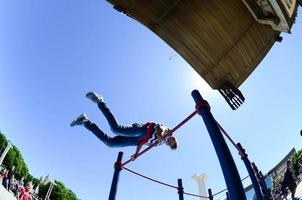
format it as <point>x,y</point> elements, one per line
<point>273,178</point>
<point>279,14</point>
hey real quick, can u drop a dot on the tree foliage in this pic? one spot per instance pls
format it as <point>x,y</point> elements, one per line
<point>59,192</point>
<point>15,158</point>
<point>295,162</point>
<point>3,141</point>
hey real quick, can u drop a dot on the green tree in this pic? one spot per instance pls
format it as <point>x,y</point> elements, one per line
<point>9,159</point>
<point>295,162</point>
<point>43,189</point>
<point>36,182</point>
<point>3,141</point>
<point>21,167</point>
<point>59,192</point>
<point>15,158</point>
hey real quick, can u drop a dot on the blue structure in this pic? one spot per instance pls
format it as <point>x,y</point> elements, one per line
<point>230,172</point>
<point>227,196</point>
<point>250,170</point>
<point>261,182</point>
<point>229,169</point>
<point>266,192</point>
<point>210,194</point>
<point>116,174</point>
<point>180,189</point>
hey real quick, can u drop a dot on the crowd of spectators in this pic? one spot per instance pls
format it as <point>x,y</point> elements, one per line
<point>15,186</point>
<point>288,185</point>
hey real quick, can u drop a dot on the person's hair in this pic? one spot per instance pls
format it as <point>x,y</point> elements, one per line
<point>174,146</point>
<point>288,162</point>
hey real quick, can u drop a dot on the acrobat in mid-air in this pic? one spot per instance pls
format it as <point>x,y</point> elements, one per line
<point>132,135</point>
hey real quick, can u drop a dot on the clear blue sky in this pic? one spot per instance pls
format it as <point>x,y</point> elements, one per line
<point>53,52</point>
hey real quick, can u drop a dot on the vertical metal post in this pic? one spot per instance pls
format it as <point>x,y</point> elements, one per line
<point>258,180</point>
<point>118,168</point>
<point>180,189</point>
<point>7,148</point>
<point>250,170</point>
<point>230,172</point>
<point>262,180</point>
<point>210,194</point>
<point>227,196</point>
<point>50,188</point>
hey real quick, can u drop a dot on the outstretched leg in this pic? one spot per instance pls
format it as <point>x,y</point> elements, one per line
<point>134,130</point>
<point>118,141</point>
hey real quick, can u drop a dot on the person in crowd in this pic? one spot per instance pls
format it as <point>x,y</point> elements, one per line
<point>13,185</point>
<point>1,175</point>
<point>21,181</point>
<point>10,176</point>
<point>25,192</point>
<point>5,179</point>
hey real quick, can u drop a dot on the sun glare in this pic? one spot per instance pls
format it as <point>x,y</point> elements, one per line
<point>197,82</point>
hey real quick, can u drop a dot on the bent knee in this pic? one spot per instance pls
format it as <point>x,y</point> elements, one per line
<point>111,143</point>
<point>116,128</point>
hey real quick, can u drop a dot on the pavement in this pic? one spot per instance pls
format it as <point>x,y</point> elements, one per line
<point>298,193</point>
<point>5,195</point>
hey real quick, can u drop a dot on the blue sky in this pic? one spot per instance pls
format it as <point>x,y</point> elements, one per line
<point>53,52</point>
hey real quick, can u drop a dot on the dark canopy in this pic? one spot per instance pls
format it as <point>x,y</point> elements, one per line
<point>219,39</point>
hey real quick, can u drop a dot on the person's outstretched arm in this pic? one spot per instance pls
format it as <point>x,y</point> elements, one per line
<point>138,148</point>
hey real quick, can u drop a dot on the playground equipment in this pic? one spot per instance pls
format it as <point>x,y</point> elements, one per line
<point>223,41</point>
<point>180,190</point>
<point>230,172</point>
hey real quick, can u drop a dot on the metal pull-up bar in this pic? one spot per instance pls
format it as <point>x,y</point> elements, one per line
<point>170,133</point>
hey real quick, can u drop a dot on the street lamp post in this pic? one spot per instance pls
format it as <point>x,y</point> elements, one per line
<point>9,145</point>
<point>49,190</point>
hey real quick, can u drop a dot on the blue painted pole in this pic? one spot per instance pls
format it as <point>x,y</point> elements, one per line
<point>267,194</point>
<point>250,170</point>
<point>118,168</point>
<point>180,189</point>
<point>230,172</point>
<point>210,194</point>
<point>256,171</point>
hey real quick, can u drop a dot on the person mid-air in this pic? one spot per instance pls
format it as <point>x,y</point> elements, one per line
<point>133,135</point>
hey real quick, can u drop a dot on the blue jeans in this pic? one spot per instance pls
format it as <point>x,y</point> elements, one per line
<point>126,135</point>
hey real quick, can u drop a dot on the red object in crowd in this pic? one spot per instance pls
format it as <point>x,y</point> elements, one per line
<point>25,195</point>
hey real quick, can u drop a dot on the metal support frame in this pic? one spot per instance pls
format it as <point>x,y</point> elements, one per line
<point>118,168</point>
<point>250,170</point>
<point>229,169</point>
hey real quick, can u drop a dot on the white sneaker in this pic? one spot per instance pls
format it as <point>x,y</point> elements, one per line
<point>81,120</point>
<point>94,97</point>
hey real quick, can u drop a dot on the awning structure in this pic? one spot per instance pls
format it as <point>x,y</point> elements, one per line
<point>221,40</point>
